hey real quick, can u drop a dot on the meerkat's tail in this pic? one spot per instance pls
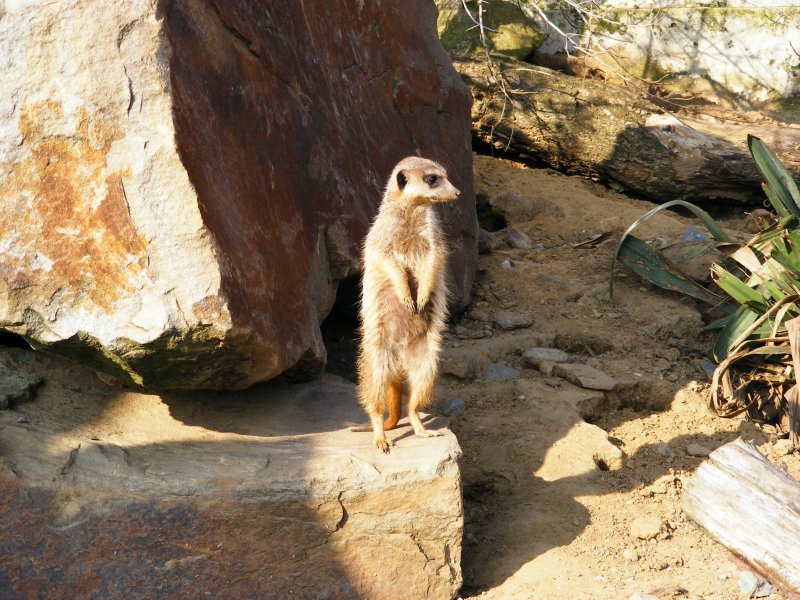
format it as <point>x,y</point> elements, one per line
<point>393,403</point>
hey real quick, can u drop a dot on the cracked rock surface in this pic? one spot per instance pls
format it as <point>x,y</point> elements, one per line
<point>263,493</point>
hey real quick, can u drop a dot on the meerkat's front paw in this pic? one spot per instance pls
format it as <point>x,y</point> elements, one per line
<point>383,445</point>
<point>408,302</point>
<point>422,302</point>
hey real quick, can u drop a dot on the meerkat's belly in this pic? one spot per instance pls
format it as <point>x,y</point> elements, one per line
<point>402,327</point>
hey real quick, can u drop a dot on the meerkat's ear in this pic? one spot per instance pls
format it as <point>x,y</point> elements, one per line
<point>402,180</point>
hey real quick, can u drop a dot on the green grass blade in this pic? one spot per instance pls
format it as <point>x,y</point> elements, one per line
<point>784,188</point>
<point>737,289</point>
<point>763,240</point>
<point>738,323</point>
<point>719,323</point>
<point>789,261</point>
<point>775,201</point>
<point>657,269</point>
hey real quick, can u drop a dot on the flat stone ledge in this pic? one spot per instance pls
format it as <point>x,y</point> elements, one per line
<point>277,500</point>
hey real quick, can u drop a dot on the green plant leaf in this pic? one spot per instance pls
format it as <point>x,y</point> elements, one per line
<point>789,261</point>
<point>778,178</point>
<point>737,289</point>
<point>737,324</point>
<point>657,269</point>
<point>764,239</point>
<point>775,200</point>
<point>710,224</point>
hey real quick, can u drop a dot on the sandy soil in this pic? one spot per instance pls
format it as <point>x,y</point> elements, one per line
<point>542,519</point>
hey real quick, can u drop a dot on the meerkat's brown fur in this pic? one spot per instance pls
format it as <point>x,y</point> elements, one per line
<point>404,297</point>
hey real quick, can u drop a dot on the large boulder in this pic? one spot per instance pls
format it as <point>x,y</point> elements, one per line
<point>184,184</point>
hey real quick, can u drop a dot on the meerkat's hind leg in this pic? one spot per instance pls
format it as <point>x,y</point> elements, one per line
<point>394,399</point>
<point>419,396</point>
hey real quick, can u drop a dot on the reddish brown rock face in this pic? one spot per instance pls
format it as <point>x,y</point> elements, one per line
<point>192,185</point>
<point>289,118</point>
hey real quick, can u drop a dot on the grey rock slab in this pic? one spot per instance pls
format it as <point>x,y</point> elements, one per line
<point>265,487</point>
<point>505,320</point>
<point>534,356</point>
<point>585,376</point>
<point>500,372</point>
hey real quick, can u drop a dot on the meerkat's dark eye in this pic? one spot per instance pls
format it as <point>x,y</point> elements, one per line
<point>431,179</point>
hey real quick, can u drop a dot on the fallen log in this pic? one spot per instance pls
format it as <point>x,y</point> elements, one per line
<point>596,128</point>
<point>752,508</point>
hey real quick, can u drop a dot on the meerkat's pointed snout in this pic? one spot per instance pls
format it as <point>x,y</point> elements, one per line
<point>457,193</point>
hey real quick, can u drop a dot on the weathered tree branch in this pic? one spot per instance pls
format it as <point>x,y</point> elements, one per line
<point>752,508</point>
<point>595,128</point>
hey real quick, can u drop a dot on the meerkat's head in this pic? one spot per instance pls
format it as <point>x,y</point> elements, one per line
<point>421,181</point>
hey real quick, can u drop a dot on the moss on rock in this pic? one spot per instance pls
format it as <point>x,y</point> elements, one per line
<point>508,30</point>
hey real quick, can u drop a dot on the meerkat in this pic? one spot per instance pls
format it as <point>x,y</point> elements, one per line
<point>403,297</point>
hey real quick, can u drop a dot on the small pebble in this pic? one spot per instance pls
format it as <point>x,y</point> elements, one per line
<point>476,314</point>
<point>535,356</point>
<point>783,447</point>
<point>506,320</point>
<point>747,582</point>
<point>708,367</point>
<point>453,407</point>
<point>630,554</point>
<point>753,586</point>
<point>517,239</point>
<point>697,450</point>
<point>646,528</point>
<point>694,234</point>
<point>764,590</point>
<point>500,372</point>
<point>585,376</point>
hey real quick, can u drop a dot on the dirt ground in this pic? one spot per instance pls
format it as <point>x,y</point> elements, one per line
<point>554,476</point>
<point>549,503</point>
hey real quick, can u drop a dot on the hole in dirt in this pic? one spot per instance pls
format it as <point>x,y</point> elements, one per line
<point>487,217</point>
<point>653,395</point>
<point>340,330</point>
<point>601,463</point>
<point>12,340</point>
<point>585,344</point>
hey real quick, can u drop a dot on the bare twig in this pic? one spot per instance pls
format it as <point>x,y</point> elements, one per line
<point>496,73</point>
